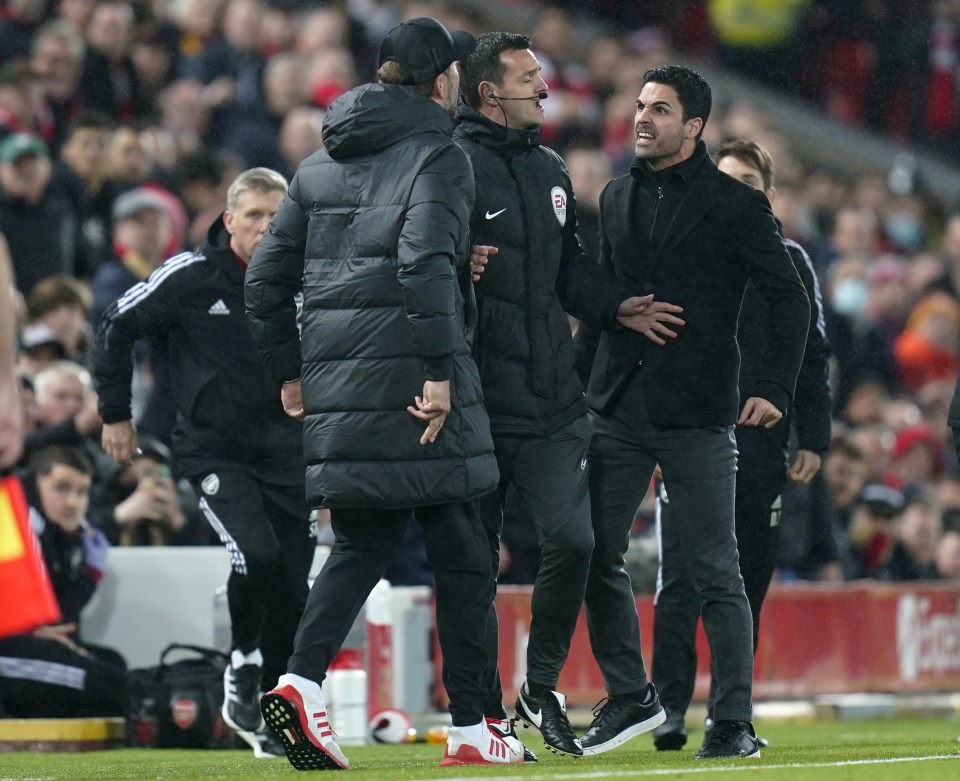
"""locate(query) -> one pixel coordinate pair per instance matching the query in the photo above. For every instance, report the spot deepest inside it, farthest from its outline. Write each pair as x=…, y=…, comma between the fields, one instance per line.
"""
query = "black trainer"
x=708, y=725
x=617, y=719
x=671, y=735
x=549, y=715
x=264, y=742
x=729, y=740
x=241, y=697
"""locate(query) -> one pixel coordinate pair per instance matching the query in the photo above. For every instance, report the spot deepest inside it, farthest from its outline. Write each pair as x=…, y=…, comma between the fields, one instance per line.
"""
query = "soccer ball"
x=391, y=726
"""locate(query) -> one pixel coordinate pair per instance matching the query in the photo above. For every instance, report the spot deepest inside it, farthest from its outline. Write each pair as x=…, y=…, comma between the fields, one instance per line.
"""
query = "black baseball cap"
x=424, y=48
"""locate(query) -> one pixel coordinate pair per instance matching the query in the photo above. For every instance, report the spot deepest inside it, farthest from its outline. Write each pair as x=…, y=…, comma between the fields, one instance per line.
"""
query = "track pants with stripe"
x=41, y=678
x=266, y=529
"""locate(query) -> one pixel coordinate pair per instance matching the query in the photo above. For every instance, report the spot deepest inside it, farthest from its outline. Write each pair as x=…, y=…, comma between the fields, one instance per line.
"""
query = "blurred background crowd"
x=122, y=123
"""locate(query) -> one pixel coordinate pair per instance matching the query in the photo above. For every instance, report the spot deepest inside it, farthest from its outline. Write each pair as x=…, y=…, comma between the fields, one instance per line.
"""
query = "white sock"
x=474, y=732
x=239, y=659
x=302, y=685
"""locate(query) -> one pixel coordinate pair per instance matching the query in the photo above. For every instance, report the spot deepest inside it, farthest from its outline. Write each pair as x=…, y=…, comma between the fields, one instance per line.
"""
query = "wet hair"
x=692, y=90
x=485, y=63
x=752, y=154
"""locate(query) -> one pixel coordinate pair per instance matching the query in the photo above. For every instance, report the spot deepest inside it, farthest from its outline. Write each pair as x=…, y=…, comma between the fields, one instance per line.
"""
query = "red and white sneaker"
x=491, y=749
x=504, y=728
x=295, y=711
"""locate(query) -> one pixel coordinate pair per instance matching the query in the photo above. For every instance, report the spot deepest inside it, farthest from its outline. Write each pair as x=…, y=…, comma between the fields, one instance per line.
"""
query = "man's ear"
x=485, y=88
x=694, y=126
x=228, y=221
x=771, y=194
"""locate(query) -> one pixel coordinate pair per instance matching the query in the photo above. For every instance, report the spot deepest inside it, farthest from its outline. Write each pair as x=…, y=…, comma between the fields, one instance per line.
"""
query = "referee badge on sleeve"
x=558, y=197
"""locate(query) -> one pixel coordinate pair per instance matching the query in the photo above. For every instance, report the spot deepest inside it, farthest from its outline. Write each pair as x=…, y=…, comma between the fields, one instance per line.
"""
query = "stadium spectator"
x=948, y=555
x=52, y=672
x=869, y=535
x=230, y=68
x=141, y=238
x=916, y=535
x=109, y=82
x=59, y=307
x=928, y=348
x=38, y=223
x=301, y=134
x=56, y=60
x=82, y=173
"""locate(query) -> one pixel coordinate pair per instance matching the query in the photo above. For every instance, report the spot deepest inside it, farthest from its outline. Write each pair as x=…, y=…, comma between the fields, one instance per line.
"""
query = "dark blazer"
x=722, y=235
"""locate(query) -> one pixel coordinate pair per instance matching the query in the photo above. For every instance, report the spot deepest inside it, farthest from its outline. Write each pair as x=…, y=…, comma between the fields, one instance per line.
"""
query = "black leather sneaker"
x=241, y=697
x=549, y=715
x=617, y=719
x=729, y=740
x=708, y=725
x=671, y=735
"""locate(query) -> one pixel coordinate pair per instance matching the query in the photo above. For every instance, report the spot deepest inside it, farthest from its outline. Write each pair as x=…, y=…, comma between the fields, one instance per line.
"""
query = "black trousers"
x=699, y=470
x=548, y=476
x=42, y=678
x=760, y=478
x=365, y=542
x=266, y=529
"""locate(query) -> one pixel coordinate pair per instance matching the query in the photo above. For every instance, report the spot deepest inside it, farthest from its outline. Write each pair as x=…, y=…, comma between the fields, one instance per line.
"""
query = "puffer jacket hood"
x=373, y=117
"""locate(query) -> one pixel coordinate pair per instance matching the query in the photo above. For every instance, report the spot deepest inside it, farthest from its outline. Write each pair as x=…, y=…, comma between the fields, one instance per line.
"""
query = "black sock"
x=538, y=689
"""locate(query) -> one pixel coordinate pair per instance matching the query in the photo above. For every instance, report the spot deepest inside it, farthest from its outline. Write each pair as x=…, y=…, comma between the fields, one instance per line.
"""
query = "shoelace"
x=605, y=709
x=245, y=683
x=724, y=731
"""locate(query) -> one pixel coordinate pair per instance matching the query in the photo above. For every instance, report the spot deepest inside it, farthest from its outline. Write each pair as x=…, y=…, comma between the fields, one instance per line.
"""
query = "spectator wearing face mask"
x=861, y=353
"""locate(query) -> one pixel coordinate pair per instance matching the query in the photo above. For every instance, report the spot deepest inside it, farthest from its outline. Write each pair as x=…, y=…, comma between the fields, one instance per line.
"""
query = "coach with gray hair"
x=242, y=455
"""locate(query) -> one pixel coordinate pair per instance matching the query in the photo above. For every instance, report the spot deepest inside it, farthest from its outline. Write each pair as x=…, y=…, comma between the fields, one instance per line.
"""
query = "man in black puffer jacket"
x=536, y=275
x=242, y=455
x=374, y=231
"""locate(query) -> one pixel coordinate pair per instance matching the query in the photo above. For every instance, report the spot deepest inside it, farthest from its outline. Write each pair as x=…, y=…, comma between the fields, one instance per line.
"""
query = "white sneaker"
x=295, y=711
x=491, y=749
x=505, y=729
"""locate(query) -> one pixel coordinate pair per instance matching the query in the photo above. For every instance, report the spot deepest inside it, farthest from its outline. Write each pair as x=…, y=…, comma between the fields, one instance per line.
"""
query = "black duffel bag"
x=177, y=704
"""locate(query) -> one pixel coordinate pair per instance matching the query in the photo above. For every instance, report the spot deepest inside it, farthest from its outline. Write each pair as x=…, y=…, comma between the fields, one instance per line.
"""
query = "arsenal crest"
x=184, y=712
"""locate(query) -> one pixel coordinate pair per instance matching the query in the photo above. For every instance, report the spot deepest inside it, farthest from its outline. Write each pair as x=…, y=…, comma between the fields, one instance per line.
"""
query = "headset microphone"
x=538, y=96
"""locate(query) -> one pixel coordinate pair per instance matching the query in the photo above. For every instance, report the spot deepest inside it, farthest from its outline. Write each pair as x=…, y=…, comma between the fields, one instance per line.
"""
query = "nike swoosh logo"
x=534, y=715
x=495, y=214
x=497, y=730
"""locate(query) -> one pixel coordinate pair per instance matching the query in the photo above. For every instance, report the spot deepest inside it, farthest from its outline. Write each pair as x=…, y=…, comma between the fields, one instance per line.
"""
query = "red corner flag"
x=28, y=598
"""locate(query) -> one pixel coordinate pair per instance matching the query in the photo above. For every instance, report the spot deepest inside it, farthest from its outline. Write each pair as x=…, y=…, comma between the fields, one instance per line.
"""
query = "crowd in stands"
x=122, y=123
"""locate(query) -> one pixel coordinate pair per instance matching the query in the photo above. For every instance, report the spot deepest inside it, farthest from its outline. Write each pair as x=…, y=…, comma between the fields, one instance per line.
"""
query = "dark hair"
x=90, y=120
x=752, y=154
x=691, y=88
x=43, y=461
x=57, y=290
x=485, y=64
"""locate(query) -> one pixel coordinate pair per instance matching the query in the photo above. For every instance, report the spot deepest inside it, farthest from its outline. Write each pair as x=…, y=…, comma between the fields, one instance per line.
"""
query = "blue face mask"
x=904, y=231
x=850, y=297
